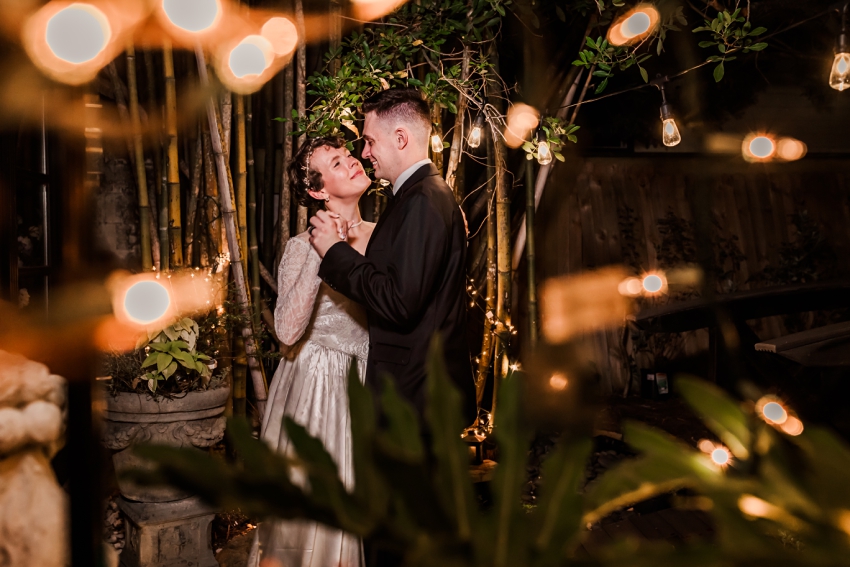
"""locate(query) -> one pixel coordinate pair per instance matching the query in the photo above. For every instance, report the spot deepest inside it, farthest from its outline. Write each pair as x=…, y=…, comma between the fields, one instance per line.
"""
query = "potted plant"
x=166, y=392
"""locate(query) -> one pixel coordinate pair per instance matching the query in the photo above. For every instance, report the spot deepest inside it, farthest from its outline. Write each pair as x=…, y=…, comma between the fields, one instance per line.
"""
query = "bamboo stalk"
x=288, y=104
x=251, y=348
x=457, y=139
x=156, y=143
x=529, y=255
x=301, y=92
x=164, y=238
x=190, y=251
x=139, y=154
x=213, y=236
x=253, y=248
x=268, y=176
x=485, y=357
x=279, y=174
x=226, y=122
x=242, y=180
x=240, y=372
x=334, y=33
x=173, y=165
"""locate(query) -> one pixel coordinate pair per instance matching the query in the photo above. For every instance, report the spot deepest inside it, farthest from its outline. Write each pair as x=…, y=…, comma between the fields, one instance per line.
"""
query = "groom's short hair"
x=403, y=104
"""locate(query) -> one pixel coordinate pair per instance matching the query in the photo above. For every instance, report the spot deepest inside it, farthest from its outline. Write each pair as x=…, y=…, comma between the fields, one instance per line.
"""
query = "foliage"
x=555, y=131
x=175, y=346
x=730, y=32
x=602, y=58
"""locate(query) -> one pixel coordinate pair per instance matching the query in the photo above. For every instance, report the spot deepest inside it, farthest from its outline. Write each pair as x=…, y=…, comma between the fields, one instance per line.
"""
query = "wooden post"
x=174, y=221
x=139, y=154
x=226, y=194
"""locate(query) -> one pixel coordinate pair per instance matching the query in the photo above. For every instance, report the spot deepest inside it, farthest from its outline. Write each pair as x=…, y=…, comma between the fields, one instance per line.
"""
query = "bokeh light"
x=146, y=301
x=250, y=57
x=706, y=446
x=631, y=287
x=193, y=16
x=790, y=149
x=281, y=34
x=521, y=120
x=758, y=147
x=773, y=412
x=558, y=382
x=634, y=25
x=373, y=9
x=653, y=283
x=720, y=456
x=754, y=506
x=78, y=33
x=792, y=426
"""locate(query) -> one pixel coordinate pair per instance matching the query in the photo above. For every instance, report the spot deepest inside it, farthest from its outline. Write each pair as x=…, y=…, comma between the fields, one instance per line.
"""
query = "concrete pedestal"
x=167, y=534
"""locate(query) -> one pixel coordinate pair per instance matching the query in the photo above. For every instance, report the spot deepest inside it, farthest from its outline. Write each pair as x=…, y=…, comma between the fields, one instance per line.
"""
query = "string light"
x=193, y=16
x=635, y=25
x=474, y=139
x=758, y=147
x=78, y=33
x=146, y=301
x=839, y=76
x=436, y=143
x=669, y=130
x=544, y=153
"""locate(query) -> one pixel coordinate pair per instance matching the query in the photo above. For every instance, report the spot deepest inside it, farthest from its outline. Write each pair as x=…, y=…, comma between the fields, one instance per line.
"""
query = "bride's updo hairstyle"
x=302, y=177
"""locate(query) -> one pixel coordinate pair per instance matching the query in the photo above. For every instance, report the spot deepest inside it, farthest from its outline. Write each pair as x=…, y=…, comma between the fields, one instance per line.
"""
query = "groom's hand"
x=326, y=231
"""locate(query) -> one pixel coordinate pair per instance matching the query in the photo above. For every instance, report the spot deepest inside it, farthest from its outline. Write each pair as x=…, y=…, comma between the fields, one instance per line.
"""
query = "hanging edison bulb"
x=436, y=144
x=669, y=130
x=474, y=139
x=839, y=77
x=544, y=152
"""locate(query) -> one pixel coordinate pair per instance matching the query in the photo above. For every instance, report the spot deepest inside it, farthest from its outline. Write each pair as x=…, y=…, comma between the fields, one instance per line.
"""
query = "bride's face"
x=343, y=176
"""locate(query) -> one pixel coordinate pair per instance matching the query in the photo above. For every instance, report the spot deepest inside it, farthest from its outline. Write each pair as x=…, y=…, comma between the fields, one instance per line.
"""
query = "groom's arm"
x=399, y=293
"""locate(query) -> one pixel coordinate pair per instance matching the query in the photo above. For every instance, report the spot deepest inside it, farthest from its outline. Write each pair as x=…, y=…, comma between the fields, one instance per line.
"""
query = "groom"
x=412, y=279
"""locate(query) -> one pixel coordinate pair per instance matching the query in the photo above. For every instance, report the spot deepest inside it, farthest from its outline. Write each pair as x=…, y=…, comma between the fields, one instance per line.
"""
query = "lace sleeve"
x=297, y=285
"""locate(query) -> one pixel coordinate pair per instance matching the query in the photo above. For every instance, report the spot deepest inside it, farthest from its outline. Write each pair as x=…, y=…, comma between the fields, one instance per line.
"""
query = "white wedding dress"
x=328, y=331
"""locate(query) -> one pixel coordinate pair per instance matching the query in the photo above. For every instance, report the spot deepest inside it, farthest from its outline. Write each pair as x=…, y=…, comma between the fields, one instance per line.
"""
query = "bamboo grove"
x=213, y=193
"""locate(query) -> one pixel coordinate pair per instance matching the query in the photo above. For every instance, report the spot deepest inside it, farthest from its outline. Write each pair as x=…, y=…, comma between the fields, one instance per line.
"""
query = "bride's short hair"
x=403, y=104
x=303, y=177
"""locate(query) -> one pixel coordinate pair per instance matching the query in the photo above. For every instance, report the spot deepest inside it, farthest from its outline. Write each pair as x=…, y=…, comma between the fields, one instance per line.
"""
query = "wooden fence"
x=617, y=210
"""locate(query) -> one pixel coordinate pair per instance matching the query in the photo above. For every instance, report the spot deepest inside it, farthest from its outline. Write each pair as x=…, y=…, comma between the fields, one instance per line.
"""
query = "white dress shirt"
x=405, y=175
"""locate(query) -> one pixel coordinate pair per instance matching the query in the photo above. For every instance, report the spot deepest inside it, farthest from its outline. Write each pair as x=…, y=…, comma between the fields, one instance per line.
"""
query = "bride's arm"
x=297, y=285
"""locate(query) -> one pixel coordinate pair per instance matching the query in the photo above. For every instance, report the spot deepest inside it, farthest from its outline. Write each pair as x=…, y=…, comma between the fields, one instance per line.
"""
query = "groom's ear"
x=402, y=138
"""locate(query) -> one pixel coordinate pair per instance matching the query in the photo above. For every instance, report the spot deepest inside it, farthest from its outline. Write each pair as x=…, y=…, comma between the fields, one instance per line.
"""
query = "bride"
x=327, y=331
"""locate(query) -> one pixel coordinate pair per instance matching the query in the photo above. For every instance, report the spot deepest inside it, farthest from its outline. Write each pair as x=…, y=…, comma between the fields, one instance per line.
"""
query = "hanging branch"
x=227, y=212
x=139, y=155
x=190, y=249
x=301, y=93
x=174, y=222
x=457, y=140
x=253, y=248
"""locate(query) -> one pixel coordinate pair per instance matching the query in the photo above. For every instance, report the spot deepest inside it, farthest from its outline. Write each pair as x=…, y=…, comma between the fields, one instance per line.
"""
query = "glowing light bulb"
x=146, y=301
x=839, y=77
x=250, y=56
x=78, y=33
x=282, y=34
x=670, y=133
x=544, y=154
x=720, y=456
x=558, y=382
x=436, y=144
x=474, y=139
x=771, y=410
x=635, y=25
x=192, y=15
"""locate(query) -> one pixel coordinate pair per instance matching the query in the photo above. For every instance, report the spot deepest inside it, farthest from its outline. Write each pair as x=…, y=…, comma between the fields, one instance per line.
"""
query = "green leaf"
x=601, y=86
x=450, y=453
x=644, y=74
x=401, y=436
x=720, y=413
x=757, y=31
x=163, y=361
x=150, y=360
x=169, y=370
x=758, y=46
x=707, y=43
x=718, y=73
x=560, y=13
x=558, y=156
x=721, y=48
x=590, y=43
x=185, y=359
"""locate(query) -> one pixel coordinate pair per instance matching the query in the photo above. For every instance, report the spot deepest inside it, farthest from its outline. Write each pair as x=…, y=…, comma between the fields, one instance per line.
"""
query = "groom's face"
x=380, y=147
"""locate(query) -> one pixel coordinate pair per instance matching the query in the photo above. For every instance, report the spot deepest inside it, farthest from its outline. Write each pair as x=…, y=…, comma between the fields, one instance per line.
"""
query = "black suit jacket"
x=412, y=282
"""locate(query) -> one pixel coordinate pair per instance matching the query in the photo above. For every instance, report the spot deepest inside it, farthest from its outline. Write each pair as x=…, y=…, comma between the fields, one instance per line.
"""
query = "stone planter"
x=165, y=526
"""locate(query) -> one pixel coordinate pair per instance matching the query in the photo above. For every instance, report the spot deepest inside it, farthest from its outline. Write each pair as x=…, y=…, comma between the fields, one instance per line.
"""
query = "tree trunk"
x=139, y=154
x=174, y=221
x=457, y=139
x=251, y=347
x=301, y=93
x=485, y=357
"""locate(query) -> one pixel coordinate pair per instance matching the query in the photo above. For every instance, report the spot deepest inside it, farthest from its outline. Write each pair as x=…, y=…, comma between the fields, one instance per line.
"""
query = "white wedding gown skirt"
x=311, y=387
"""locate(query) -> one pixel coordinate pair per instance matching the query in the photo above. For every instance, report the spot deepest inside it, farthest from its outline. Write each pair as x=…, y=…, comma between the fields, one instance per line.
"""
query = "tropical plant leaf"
x=720, y=413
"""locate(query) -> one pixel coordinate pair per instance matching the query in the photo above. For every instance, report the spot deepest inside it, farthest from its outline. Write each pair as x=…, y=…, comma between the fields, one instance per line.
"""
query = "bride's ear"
x=318, y=195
